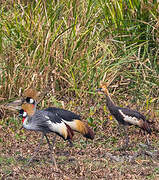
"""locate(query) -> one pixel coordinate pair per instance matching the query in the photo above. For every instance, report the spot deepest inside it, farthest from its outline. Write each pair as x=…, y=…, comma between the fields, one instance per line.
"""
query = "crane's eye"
x=30, y=100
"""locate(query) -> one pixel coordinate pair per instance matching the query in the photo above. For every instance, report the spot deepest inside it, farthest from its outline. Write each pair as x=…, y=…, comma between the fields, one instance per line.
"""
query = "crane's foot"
x=70, y=143
x=30, y=160
x=54, y=161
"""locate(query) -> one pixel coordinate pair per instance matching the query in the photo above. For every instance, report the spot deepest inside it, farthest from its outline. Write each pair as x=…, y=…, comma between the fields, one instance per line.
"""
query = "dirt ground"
x=97, y=159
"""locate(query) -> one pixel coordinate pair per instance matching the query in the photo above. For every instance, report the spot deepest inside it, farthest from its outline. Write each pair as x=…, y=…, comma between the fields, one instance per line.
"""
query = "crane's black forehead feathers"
x=21, y=111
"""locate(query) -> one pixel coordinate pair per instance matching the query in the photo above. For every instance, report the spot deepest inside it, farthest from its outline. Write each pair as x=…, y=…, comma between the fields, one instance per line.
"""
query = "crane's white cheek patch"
x=24, y=114
x=58, y=128
x=31, y=101
x=129, y=119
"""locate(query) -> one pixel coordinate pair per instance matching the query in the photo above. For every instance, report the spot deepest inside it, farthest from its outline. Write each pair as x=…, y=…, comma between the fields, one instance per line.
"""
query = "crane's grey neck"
x=26, y=123
x=35, y=106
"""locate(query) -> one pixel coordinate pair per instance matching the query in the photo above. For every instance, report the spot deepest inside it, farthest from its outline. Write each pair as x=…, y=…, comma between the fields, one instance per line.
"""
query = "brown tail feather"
x=70, y=132
x=84, y=129
x=145, y=126
x=90, y=133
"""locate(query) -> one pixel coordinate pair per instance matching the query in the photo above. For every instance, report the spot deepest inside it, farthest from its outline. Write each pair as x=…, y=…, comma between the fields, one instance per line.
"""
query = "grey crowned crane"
x=44, y=122
x=124, y=116
x=60, y=121
x=70, y=118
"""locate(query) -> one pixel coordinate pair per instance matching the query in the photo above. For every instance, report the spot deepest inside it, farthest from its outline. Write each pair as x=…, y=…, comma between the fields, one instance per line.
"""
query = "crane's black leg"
x=127, y=137
x=51, y=149
x=147, y=140
x=36, y=150
x=125, y=145
x=70, y=143
x=53, y=141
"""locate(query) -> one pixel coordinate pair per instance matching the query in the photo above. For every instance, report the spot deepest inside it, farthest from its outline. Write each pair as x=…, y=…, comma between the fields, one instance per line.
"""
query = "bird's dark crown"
x=31, y=93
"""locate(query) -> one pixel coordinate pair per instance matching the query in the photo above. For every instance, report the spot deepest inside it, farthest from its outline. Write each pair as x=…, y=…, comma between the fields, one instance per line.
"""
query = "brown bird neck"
x=109, y=101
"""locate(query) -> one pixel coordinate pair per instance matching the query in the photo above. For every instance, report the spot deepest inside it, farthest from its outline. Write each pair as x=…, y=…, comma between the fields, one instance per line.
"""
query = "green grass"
x=7, y=161
x=73, y=46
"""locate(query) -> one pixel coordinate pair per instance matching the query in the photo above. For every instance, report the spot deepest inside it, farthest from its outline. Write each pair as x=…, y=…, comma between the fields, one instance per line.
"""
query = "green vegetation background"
x=73, y=45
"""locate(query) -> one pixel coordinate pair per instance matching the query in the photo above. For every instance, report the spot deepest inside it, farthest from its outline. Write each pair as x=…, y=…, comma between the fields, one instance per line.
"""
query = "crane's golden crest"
x=33, y=93
x=28, y=108
x=103, y=86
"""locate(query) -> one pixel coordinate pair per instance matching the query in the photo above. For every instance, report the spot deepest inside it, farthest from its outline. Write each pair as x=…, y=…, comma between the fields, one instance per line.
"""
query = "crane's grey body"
x=45, y=122
x=65, y=116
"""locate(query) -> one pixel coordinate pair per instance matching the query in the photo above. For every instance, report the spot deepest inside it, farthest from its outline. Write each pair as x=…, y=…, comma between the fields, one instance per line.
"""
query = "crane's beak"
x=15, y=105
x=99, y=90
